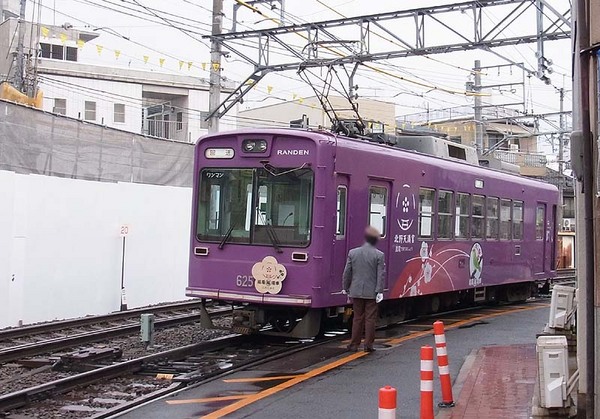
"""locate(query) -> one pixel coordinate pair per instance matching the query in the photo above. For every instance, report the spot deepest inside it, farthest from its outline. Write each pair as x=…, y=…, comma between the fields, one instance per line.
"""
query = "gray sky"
x=157, y=40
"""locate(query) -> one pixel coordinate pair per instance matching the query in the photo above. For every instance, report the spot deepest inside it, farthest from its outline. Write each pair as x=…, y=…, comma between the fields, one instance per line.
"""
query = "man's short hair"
x=371, y=231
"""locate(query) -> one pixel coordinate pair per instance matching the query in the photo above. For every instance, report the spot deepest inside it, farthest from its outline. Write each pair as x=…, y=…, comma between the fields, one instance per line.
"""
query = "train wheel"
x=435, y=304
x=518, y=293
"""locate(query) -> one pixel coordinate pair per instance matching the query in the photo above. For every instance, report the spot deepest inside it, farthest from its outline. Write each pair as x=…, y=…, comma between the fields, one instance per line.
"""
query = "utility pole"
x=214, y=99
x=561, y=158
x=19, y=79
x=477, y=107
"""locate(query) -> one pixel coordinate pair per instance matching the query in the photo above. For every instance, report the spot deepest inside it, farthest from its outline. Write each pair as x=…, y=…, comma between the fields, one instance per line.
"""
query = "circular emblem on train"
x=268, y=275
x=475, y=264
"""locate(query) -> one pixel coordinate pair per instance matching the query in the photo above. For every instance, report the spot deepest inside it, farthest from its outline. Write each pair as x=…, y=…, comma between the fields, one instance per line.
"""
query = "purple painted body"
x=415, y=265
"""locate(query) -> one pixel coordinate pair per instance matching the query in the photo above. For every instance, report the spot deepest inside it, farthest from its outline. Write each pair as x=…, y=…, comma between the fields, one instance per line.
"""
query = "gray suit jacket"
x=364, y=274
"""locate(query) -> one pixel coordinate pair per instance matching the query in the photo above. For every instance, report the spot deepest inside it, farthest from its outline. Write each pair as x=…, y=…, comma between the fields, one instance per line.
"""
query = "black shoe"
x=369, y=349
x=351, y=348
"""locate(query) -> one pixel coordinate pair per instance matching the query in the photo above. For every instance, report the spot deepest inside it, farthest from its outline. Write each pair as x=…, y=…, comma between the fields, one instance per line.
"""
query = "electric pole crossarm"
x=237, y=95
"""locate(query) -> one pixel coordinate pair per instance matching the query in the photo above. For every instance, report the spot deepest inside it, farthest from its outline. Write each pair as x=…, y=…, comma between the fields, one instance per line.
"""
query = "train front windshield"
x=264, y=206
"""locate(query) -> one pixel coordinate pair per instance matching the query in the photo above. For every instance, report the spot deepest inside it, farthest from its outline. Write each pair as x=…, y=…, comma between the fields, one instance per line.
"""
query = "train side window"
x=444, y=210
x=342, y=193
x=477, y=212
x=461, y=228
x=378, y=208
x=426, y=199
x=505, y=219
x=517, y=216
x=540, y=215
x=492, y=215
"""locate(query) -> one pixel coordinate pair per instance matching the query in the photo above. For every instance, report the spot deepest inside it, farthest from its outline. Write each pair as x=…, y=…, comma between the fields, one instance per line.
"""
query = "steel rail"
x=24, y=397
x=37, y=348
x=17, y=332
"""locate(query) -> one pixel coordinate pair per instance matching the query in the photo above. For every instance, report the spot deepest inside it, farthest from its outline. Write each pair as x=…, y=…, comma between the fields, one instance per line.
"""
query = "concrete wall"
x=60, y=249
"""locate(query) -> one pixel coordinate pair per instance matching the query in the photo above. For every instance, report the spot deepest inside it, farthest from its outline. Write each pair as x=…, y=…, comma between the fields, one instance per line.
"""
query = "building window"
x=340, y=230
x=46, y=50
x=60, y=106
x=444, y=209
x=568, y=207
x=71, y=54
x=426, y=197
x=540, y=216
x=90, y=111
x=167, y=126
x=58, y=52
x=517, y=216
x=477, y=223
x=378, y=208
x=492, y=215
x=505, y=220
x=462, y=216
x=119, y=113
x=179, y=121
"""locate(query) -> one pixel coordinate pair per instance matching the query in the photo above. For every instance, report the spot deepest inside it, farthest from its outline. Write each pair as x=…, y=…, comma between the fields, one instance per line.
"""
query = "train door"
x=552, y=227
x=540, y=238
x=379, y=208
x=340, y=242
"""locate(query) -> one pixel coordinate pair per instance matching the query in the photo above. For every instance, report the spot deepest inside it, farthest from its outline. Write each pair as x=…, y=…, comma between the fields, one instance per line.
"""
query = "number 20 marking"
x=244, y=281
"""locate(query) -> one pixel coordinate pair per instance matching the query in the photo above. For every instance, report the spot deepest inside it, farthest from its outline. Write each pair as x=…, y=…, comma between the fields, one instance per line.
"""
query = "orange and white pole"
x=444, y=369
x=387, y=403
x=426, y=382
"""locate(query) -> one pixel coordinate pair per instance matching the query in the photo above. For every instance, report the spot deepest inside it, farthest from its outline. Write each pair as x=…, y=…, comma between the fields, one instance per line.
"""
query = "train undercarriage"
x=307, y=323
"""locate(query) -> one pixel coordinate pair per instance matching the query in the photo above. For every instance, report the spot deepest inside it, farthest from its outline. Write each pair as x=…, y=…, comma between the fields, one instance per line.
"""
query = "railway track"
x=190, y=365
x=18, y=343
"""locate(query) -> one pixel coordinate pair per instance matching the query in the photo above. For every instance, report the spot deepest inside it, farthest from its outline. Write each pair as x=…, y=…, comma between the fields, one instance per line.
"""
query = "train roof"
x=384, y=149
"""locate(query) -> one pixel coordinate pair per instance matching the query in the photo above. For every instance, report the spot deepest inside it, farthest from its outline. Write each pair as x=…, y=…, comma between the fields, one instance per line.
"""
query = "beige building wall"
x=280, y=114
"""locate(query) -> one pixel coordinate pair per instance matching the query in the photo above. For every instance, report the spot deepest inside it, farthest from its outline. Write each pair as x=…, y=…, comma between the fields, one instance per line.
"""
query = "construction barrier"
x=387, y=403
x=444, y=369
x=426, y=382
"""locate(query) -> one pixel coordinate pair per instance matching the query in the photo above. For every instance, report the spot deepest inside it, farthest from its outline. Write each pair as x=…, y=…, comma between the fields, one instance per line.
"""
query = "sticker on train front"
x=268, y=275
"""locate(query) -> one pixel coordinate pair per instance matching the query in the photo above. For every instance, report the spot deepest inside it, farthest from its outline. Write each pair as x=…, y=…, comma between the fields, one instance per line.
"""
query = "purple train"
x=276, y=211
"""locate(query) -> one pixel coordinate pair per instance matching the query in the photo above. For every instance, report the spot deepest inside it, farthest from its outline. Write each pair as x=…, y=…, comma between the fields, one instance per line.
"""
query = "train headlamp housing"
x=254, y=146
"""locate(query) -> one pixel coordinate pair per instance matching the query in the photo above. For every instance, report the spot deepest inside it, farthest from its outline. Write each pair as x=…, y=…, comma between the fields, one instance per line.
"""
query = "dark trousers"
x=365, y=317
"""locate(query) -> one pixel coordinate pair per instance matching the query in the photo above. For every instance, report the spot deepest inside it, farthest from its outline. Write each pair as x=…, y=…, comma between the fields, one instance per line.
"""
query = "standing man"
x=364, y=276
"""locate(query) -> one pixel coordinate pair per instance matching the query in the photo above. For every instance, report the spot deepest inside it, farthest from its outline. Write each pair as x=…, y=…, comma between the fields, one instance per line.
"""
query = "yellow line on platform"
x=248, y=400
x=209, y=399
x=276, y=389
x=259, y=379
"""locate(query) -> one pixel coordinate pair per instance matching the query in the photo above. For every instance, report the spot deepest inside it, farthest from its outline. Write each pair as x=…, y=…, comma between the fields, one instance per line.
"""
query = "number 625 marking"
x=244, y=281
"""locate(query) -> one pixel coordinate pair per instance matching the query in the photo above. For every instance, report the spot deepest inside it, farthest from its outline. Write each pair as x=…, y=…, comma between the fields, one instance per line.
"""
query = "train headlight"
x=254, y=146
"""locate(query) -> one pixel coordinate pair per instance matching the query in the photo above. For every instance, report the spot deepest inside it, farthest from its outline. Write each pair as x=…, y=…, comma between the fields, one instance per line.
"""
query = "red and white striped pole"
x=387, y=403
x=426, y=382
x=442, y=358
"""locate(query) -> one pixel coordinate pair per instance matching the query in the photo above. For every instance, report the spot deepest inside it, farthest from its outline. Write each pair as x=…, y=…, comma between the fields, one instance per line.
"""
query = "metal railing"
x=521, y=159
x=171, y=130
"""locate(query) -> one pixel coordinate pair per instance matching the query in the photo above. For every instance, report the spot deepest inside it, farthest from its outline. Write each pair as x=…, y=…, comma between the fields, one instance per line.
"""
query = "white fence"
x=60, y=248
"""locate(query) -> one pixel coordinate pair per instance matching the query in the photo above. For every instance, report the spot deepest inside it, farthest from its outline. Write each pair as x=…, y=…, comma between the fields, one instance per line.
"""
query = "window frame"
x=509, y=220
x=115, y=113
x=383, y=233
x=338, y=211
x=431, y=215
x=85, y=111
x=55, y=107
x=542, y=206
x=521, y=221
x=459, y=216
x=488, y=218
x=478, y=217
x=450, y=214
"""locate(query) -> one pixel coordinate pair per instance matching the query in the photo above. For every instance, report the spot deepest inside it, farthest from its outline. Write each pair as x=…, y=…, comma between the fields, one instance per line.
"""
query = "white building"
x=280, y=114
x=152, y=103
